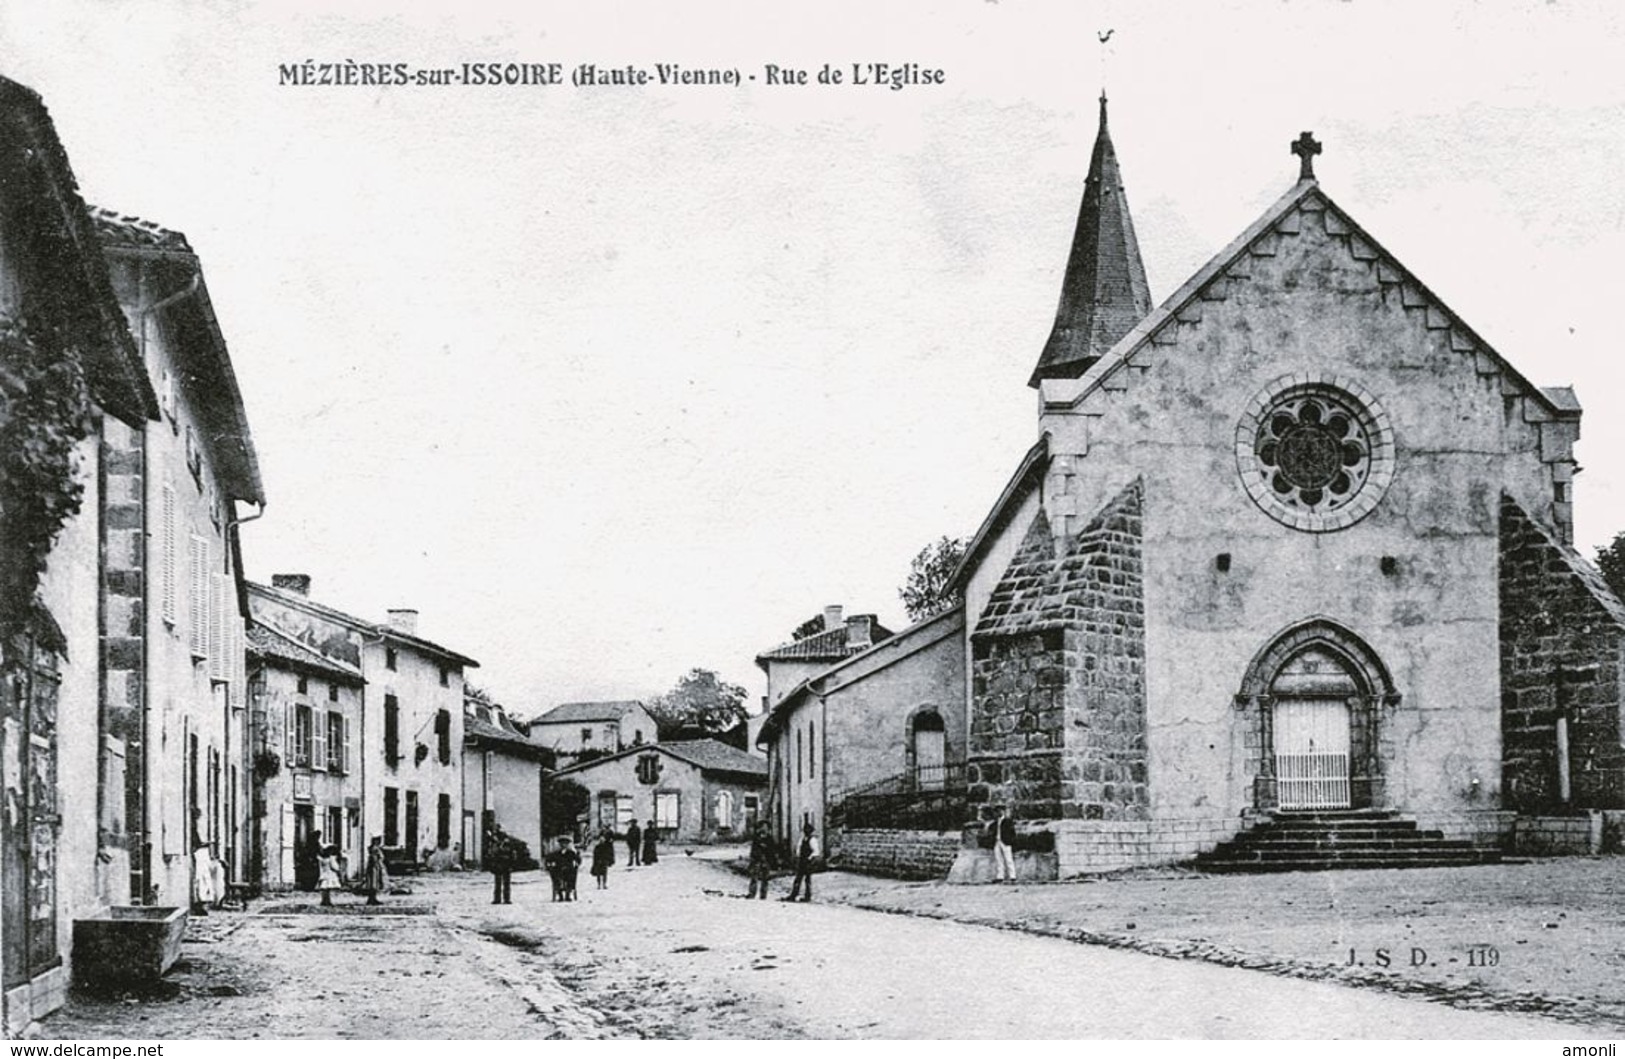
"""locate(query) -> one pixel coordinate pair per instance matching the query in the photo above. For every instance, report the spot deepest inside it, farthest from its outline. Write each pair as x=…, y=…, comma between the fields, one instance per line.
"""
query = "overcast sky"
x=610, y=383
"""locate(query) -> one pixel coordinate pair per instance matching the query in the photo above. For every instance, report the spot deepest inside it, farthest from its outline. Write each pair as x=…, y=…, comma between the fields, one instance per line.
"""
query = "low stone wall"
x=1484, y=828
x=896, y=854
x=1595, y=831
x=1087, y=846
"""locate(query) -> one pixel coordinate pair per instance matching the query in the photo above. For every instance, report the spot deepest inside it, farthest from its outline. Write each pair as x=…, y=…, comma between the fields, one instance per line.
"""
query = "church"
x=1295, y=541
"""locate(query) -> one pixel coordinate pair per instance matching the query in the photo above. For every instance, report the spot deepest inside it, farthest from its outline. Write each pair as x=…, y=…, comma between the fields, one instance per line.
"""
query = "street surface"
x=673, y=951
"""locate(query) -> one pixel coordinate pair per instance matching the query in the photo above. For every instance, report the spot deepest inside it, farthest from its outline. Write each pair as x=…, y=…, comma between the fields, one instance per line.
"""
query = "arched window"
x=928, y=749
x=725, y=810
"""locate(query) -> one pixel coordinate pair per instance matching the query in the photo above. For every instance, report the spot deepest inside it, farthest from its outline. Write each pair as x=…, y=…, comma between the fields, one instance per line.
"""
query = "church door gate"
x=1312, y=753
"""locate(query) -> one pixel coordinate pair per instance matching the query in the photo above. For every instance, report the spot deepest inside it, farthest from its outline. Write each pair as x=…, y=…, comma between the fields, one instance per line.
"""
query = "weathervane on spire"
x=1306, y=147
x=1104, y=37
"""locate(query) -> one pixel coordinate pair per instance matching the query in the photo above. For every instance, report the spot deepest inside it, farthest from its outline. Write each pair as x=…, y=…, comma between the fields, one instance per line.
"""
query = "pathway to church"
x=674, y=951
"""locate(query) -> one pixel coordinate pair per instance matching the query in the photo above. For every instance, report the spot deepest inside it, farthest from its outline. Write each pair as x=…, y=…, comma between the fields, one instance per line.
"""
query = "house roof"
x=495, y=737
x=388, y=632
x=898, y=646
x=575, y=712
x=1306, y=195
x=66, y=239
x=707, y=755
x=1104, y=293
x=204, y=360
x=280, y=649
x=827, y=646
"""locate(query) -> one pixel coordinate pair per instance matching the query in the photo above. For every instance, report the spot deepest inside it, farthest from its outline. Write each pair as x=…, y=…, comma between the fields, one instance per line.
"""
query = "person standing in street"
x=603, y=857
x=377, y=872
x=499, y=860
x=806, y=854
x=634, y=845
x=650, y=833
x=761, y=860
x=327, y=879
x=1004, y=838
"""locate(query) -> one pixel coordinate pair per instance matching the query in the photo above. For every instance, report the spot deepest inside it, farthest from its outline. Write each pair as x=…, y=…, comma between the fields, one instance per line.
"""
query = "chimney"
x=832, y=617
x=404, y=619
x=298, y=584
x=857, y=632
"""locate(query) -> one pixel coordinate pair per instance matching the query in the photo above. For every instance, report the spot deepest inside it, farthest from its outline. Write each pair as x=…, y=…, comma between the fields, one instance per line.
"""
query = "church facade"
x=1295, y=539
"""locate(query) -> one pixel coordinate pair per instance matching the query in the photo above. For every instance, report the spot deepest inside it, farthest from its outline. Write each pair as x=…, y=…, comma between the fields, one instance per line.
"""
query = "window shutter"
x=217, y=628
x=168, y=557
x=293, y=734
x=199, y=626
x=318, y=739
x=345, y=757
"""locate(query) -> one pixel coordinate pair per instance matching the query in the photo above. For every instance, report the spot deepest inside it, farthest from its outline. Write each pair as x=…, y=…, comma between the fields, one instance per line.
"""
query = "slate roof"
x=827, y=646
x=573, y=712
x=274, y=647
x=1042, y=590
x=707, y=755
x=388, y=632
x=711, y=755
x=1104, y=293
x=952, y=618
x=123, y=230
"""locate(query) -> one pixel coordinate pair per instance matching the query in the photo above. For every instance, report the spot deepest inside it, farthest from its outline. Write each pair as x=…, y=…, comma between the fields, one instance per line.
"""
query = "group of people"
x=760, y=866
x=332, y=870
x=563, y=864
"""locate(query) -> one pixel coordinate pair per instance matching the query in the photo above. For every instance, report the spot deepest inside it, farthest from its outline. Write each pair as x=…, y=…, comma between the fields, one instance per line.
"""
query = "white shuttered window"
x=200, y=594
x=168, y=555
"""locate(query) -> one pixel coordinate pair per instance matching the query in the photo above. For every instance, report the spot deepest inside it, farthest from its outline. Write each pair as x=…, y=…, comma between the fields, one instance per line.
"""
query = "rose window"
x=1314, y=455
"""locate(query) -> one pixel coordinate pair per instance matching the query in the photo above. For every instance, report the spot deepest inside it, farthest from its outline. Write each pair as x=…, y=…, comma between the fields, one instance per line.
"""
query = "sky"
x=613, y=382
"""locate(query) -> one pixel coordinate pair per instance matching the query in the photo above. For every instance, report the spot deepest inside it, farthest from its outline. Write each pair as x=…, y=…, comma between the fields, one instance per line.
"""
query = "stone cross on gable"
x=1306, y=147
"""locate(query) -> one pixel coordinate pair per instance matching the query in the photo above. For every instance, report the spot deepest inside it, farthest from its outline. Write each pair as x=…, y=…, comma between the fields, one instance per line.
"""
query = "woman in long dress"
x=377, y=880
x=650, y=855
x=327, y=879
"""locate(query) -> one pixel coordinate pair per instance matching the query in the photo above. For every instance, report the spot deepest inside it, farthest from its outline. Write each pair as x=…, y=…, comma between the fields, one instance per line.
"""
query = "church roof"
x=1305, y=203
x=1104, y=293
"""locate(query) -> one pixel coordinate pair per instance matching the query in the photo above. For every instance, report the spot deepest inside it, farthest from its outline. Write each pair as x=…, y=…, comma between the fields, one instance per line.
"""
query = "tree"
x=811, y=627
x=926, y=592
x=1611, y=561
x=701, y=706
x=563, y=803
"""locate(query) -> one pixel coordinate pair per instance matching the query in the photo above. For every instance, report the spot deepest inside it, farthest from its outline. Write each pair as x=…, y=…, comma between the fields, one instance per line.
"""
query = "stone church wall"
x=1562, y=656
x=1058, y=728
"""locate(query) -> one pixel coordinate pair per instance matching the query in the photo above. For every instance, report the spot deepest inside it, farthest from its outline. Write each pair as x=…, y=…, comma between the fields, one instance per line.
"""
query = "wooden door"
x=29, y=821
x=1312, y=753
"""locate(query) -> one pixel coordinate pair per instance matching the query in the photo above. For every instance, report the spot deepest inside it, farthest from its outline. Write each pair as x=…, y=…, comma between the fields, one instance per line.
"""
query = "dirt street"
x=673, y=951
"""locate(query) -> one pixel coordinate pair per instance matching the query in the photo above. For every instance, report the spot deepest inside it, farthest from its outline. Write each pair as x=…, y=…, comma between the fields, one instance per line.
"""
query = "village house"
x=877, y=727
x=174, y=718
x=820, y=645
x=1296, y=539
x=305, y=720
x=502, y=779
x=409, y=750
x=56, y=306
x=604, y=727
x=698, y=790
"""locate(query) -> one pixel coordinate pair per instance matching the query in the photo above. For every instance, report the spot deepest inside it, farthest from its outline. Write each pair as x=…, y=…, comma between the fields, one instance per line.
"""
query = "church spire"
x=1104, y=293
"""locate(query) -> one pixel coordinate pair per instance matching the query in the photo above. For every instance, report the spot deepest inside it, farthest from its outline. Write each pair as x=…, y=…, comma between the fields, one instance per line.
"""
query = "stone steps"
x=1328, y=840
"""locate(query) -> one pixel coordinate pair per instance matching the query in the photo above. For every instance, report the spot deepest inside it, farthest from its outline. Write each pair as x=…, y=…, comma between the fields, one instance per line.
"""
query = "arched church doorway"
x=928, y=750
x=1314, y=697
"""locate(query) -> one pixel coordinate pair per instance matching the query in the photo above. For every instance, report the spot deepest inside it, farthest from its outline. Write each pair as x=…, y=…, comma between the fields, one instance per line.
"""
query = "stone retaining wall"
x=1087, y=846
x=896, y=854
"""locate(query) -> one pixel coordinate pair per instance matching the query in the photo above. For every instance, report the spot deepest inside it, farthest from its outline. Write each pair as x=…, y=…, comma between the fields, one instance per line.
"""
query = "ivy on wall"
x=45, y=412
